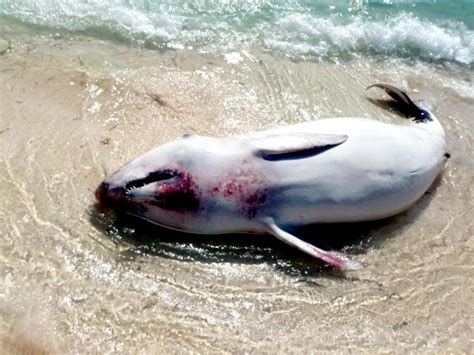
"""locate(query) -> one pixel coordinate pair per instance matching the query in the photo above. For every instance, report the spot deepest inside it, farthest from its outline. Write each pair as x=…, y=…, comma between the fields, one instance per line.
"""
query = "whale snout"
x=107, y=196
x=101, y=192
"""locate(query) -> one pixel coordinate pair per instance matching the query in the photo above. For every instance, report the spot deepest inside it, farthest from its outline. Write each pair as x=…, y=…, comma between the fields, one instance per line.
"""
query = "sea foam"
x=293, y=28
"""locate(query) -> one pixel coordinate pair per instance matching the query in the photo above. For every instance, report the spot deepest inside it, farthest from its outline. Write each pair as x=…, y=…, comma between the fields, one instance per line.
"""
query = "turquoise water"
x=429, y=30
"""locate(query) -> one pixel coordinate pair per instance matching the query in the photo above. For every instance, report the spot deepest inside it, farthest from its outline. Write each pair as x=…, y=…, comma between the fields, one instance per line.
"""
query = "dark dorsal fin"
x=406, y=104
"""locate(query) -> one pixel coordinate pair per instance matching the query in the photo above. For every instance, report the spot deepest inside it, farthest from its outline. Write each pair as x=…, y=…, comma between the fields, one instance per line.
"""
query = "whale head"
x=158, y=186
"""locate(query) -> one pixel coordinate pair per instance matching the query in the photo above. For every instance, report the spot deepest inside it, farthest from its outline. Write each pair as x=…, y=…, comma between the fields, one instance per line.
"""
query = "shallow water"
x=74, y=108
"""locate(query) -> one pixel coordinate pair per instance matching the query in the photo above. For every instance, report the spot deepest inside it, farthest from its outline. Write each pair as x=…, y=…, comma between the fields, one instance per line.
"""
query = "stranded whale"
x=326, y=171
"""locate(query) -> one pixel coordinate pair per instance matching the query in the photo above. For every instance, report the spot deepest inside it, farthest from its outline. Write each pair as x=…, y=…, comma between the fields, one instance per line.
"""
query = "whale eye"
x=160, y=175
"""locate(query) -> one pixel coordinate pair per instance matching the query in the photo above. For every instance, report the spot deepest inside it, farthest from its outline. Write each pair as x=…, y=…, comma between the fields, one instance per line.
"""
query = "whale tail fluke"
x=406, y=105
x=418, y=110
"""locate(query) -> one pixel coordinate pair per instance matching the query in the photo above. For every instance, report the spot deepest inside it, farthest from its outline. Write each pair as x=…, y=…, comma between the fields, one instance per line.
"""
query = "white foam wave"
x=299, y=32
x=302, y=34
x=80, y=15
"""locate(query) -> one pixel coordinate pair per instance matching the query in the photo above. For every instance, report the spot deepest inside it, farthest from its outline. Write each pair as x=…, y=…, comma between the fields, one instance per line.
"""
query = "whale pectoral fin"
x=328, y=257
x=278, y=145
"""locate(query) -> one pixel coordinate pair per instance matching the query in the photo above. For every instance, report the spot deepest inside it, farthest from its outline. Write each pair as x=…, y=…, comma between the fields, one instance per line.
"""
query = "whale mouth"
x=153, y=177
x=118, y=197
x=165, y=189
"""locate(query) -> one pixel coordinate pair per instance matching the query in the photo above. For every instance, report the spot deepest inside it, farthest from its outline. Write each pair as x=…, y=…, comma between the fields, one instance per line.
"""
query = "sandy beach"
x=73, y=281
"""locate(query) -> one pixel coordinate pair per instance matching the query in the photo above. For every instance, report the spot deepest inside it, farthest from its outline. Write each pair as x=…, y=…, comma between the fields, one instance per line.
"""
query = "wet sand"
x=76, y=282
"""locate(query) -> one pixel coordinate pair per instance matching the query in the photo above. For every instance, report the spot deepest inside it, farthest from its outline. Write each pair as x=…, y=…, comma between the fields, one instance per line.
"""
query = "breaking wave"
x=332, y=30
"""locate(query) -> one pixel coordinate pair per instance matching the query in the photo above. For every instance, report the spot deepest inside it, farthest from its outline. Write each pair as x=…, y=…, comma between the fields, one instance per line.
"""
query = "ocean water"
x=429, y=30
